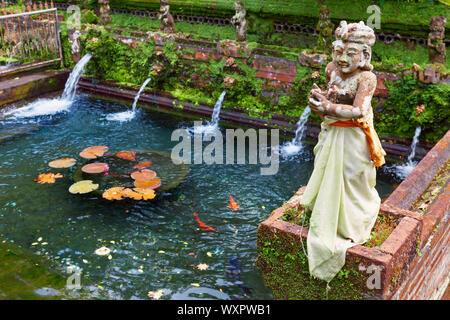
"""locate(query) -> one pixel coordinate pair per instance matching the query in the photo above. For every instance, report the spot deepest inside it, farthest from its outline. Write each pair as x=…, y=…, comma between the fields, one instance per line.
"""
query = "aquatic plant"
x=47, y=177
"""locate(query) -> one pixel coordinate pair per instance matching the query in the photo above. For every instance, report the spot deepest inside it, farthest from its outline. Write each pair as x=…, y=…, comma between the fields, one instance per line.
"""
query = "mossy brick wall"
x=397, y=15
x=285, y=269
x=30, y=86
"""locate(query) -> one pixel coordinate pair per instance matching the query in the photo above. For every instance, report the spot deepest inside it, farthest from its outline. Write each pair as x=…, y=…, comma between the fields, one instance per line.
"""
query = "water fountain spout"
x=295, y=146
x=128, y=115
x=214, y=123
x=216, y=112
x=402, y=170
x=42, y=107
x=71, y=84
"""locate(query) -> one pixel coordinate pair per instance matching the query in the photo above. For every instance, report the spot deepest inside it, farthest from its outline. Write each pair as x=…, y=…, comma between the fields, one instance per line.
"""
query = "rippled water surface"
x=156, y=245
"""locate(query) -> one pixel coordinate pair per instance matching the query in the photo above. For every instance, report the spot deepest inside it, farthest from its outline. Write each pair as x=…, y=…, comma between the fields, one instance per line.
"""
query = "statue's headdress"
x=355, y=32
x=358, y=33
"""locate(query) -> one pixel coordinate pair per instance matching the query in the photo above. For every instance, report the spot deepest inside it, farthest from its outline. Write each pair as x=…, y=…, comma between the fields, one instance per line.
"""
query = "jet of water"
x=414, y=145
x=214, y=123
x=129, y=114
x=139, y=93
x=295, y=146
x=216, y=112
x=403, y=170
x=71, y=84
x=44, y=107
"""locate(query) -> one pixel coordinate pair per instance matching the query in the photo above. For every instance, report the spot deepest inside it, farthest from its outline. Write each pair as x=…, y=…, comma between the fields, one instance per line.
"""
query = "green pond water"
x=156, y=245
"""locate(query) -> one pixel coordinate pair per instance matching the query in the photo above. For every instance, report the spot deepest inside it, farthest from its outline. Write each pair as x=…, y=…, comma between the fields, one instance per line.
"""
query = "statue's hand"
x=317, y=101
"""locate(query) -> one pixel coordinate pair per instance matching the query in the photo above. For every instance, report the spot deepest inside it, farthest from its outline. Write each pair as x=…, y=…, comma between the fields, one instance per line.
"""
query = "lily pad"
x=97, y=167
x=47, y=177
x=115, y=193
x=143, y=175
x=62, y=163
x=170, y=174
x=83, y=186
x=127, y=155
x=147, y=194
x=142, y=165
x=93, y=152
x=148, y=184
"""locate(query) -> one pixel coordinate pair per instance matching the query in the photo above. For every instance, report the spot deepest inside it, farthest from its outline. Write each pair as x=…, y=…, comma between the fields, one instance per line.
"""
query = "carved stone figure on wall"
x=341, y=195
x=74, y=40
x=167, y=22
x=436, y=42
x=104, y=11
x=239, y=21
x=325, y=29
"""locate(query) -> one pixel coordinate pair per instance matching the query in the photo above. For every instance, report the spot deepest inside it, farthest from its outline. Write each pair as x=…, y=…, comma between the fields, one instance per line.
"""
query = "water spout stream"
x=129, y=114
x=403, y=170
x=214, y=123
x=42, y=107
x=295, y=146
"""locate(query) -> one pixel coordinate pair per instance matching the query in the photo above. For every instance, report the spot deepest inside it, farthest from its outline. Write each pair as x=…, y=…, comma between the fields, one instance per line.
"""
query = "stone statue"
x=104, y=11
x=341, y=195
x=167, y=22
x=325, y=29
x=239, y=21
x=436, y=42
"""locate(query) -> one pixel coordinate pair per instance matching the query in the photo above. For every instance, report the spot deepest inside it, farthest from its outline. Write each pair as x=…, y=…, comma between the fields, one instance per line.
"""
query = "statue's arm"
x=361, y=103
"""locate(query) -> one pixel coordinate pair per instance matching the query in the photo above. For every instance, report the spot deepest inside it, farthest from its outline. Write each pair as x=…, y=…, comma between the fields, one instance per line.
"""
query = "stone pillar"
x=436, y=42
x=325, y=29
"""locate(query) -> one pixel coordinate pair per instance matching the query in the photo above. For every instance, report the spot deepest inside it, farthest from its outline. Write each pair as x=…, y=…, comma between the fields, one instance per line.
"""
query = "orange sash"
x=376, y=155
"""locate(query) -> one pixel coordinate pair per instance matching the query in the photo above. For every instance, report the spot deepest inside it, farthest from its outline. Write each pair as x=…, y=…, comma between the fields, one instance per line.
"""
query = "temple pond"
x=156, y=245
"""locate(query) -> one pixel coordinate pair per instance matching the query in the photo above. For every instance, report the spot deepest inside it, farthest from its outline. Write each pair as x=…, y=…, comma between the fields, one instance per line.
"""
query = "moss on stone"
x=284, y=264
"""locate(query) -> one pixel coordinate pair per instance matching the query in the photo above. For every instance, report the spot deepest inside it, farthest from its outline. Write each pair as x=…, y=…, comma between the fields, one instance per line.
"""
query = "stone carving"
x=325, y=29
x=74, y=40
x=167, y=22
x=104, y=11
x=436, y=37
x=341, y=194
x=239, y=21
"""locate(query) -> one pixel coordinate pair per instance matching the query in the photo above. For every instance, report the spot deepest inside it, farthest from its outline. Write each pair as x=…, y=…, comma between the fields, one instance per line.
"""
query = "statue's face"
x=237, y=6
x=348, y=56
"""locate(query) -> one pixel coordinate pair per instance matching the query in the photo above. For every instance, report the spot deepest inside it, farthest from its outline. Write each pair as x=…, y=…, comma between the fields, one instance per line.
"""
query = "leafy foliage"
x=399, y=115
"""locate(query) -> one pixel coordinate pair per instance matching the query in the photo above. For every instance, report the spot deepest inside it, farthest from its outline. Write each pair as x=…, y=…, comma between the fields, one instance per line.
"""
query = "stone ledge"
x=419, y=179
x=32, y=85
x=415, y=257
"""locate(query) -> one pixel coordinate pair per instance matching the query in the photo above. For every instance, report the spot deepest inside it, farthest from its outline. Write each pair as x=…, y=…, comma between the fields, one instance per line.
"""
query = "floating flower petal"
x=103, y=251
